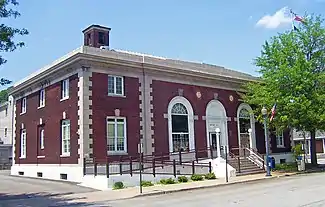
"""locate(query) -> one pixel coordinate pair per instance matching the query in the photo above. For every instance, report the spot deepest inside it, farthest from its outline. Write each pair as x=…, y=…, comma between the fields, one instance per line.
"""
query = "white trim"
x=41, y=138
x=222, y=120
x=23, y=147
x=115, y=81
x=41, y=98
x=252, y=123
x=23, y=108
x=65, y=123
x=65, y=89
x=187, y=104
x=276, y=139
x=115, y=134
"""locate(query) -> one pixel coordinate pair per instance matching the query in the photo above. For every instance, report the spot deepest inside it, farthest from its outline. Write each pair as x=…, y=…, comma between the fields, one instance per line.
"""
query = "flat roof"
x=123, y=55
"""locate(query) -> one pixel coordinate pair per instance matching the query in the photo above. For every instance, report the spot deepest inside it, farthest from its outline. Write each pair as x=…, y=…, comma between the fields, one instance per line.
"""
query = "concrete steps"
x=244, y=166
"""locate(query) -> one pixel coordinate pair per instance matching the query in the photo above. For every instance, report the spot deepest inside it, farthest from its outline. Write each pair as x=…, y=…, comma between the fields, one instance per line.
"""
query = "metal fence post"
x=226, y=153
x=174, y=168
x=95, y=169
x=193, y=167
x=180, y=157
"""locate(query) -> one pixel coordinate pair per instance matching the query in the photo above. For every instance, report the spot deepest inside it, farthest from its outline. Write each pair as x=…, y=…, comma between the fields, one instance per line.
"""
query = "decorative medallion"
x=231, y=98
x=117, y=112
x=198, y=94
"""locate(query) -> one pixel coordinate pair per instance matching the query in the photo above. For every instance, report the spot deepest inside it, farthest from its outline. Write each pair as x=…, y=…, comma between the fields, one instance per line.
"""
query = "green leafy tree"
x=293, y=76
x=7, y=33
x=3, y=96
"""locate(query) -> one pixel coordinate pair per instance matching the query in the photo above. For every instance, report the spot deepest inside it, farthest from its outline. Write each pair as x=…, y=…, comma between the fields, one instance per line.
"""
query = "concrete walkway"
x=132, y=192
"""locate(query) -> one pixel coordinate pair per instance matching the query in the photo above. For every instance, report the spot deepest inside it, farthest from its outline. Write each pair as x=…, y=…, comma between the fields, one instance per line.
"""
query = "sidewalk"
x=100, y=196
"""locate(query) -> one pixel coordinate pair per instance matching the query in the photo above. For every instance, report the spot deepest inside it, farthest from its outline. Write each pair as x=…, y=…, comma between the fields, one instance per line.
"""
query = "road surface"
x=294, y=191
x=23, y=192
x=303, y=191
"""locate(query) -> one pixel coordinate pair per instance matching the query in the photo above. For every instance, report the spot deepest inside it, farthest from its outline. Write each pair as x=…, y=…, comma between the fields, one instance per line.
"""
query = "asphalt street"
x=303, y=191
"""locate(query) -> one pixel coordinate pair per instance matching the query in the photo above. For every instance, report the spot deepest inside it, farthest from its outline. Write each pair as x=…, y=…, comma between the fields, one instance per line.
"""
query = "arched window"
x=244, y=124
x=180, y=129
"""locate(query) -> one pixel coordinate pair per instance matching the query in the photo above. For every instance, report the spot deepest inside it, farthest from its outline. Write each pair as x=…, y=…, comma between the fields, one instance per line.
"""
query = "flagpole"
x=292, y=18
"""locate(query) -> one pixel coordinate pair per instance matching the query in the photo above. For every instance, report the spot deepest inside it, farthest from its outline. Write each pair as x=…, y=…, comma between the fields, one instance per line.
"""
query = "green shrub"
x=287, y=167
x=297, y=151
x=118, y=185
x=167, y=181
x=182, y=179
x=145, y=183
x=210, y=176
x=196, y=177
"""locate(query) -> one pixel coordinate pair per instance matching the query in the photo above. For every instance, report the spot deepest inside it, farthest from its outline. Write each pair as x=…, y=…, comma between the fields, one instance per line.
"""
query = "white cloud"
x=279, y=18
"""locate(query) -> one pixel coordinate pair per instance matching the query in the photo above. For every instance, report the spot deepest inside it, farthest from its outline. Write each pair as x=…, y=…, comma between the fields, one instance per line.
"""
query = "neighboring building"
x=6, y=113
x=101, y=103
x=301, y=137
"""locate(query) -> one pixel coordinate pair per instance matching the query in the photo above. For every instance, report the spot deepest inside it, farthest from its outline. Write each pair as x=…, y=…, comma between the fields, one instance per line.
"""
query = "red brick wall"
x=104, y=105
x=319, y=146
x=163, y=92
x=51, y=115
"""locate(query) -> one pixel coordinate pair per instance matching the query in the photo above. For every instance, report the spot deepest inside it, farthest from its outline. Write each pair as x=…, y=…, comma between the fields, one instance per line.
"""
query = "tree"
x=293, y=76
x=7, y=33
x=3, y=96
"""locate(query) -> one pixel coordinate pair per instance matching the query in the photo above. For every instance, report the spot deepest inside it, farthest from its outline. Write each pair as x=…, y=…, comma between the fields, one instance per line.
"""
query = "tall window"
x=116, y=134
x=279, y=139
x=115, y=85
x=41, y=98
x=23, y=143
x=6, y=132
x=23, y=105
x=244, y=125
x=6, y=112
x=65, y=137
x=65, y=89
x=180, y=131
x=41, y=138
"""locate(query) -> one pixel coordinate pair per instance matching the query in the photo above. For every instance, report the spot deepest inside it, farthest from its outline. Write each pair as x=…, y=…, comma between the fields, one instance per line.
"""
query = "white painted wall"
x=277, y=156
x=6, y=122
x=50, y=171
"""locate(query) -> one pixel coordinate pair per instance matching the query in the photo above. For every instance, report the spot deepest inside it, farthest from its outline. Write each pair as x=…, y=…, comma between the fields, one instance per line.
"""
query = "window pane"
x=110, y=84
x=110, y=130
x=244, y=125
x=111, y=144
x=119, y=85
x=120, y=130
x=180, y=123
x=180, y=142
x=120, y=144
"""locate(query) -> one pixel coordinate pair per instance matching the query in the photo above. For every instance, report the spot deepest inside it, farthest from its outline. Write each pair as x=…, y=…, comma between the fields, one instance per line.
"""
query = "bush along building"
x=93, y=110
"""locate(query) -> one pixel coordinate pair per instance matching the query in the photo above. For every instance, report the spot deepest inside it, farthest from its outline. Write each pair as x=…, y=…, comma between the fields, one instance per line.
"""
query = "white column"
x=218, y=143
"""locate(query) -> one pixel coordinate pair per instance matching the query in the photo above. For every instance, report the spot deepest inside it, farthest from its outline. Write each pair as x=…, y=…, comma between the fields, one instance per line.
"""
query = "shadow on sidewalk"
x=42, y=200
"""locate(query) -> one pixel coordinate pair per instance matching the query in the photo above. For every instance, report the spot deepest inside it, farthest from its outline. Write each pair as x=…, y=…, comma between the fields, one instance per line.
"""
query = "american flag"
x=273, y=111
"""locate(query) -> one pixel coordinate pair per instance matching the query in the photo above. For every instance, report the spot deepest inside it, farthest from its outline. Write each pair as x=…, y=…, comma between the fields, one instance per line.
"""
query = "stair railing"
x=257, y=158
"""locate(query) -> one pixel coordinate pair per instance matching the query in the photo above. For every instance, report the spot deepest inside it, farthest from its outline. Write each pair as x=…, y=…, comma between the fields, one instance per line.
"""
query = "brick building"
x=99, y=103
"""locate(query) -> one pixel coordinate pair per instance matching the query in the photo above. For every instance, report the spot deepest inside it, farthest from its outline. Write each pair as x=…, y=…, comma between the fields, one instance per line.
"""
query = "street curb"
x=213, y=186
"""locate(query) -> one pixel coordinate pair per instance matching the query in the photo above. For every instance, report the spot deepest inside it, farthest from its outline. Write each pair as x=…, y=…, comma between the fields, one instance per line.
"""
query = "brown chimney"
x=96, y=36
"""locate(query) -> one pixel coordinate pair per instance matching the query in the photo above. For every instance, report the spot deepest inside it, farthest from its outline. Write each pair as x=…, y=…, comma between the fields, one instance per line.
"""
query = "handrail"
x=258, y=156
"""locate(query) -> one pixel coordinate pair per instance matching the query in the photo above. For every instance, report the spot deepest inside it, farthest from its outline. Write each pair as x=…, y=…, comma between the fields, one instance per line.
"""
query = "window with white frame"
x=65, y=137
x=279, y=139
x=23, y=143
x=180, y=129
x=65, y=89
x=115, y=85
x=41, y=139
x=116, y=134
x=6, y=132
x=41, y=98
x=23, y=105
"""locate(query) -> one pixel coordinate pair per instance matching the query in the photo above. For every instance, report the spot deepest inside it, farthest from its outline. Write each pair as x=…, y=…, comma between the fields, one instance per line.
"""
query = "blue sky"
x=228, y=33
